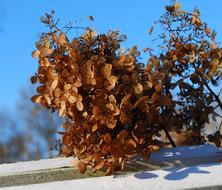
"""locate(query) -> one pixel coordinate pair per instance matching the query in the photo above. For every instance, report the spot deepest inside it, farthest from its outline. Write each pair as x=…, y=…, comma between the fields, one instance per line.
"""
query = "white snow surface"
x=173, y=179
x=20, y=167
x=163, y=179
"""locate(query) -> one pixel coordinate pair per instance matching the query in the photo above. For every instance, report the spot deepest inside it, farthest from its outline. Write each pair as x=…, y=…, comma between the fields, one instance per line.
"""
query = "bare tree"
x=28, y=134
x=12, y=144
x=40, y=126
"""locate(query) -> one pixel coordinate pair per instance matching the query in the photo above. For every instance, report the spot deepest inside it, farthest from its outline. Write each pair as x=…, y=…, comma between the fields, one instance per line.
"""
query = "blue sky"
x=20, y=26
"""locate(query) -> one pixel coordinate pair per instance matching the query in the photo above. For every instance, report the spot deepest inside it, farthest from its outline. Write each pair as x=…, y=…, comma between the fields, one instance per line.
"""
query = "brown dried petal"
x=105, y=150
x=37, y=98
x=79, y=105
x=107, y=138
x=112, y=82
x=106, y=70
x=125, y=99
x=130, y=144
x=138, y=88
x=54, y=84
x=48, y=100
x=34, y=79
x=154, y=147
x=72, y=99
x=62, y=40
x=99, y=166
x=62, y=109
x=67, y=87
x=82, y=167
x=94, y=127
x=42, y=89
x=125, y=118
x=117, y=150
x=36, y=54
x=123, y=134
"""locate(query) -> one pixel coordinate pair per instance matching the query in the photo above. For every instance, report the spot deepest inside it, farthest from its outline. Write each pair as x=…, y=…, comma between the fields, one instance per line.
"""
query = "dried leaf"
x=107, y=138
x=97, y=157
x=112, y=82
x=72, y=99
x=34, y=79
x=125, y=118
x=123, y=134
x=54, y=36
x=105, y=150
x=94, y=127
x=158, y=87
x=112, y=99
x=213, y=35
x=141, y=100
x=109, y=170
x=106, y=70
x=86, y=159
x=62, y=109
x=48, y=100
x=125, y=99
x=79, y=105
x=36, y=54
x=147, y=85
x=130, y=144
x=37, y=98
x=138, y=88
x=117, y=150
x=62, y=40
x=67, y=87
x=177, y=6
x=111, y=123
x=207, y=31
x=82, y=167
x=85, y=114
x=54, y=84
x=155, y=147
x=99, y=166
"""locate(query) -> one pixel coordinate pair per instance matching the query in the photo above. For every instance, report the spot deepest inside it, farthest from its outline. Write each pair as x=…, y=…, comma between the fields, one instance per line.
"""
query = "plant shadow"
x=181, y=162
x=174, y=173
x=145, y=175
x=181, y=173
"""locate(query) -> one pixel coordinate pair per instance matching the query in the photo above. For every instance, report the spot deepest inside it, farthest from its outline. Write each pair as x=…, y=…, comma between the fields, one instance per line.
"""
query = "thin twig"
x=169, y=137
x=215, y=96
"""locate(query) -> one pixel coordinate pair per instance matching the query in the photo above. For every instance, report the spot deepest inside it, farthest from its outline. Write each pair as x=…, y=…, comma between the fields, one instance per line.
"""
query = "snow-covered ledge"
x=191, y=167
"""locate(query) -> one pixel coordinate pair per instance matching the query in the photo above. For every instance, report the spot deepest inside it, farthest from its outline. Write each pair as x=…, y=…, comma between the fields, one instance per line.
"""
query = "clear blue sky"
x=20, y=26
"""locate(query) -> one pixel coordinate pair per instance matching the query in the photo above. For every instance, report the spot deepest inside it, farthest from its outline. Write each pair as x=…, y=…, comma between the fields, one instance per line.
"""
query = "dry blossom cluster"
x=116, y=107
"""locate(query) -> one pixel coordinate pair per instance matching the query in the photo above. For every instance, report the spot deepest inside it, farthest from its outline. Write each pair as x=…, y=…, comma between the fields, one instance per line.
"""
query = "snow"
x=21, y=167
x=208, y=175
x=186, y=175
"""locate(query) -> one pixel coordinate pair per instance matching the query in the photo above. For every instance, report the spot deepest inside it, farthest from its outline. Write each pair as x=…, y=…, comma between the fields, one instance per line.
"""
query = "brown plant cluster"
x=115, y=107
x=190, y=62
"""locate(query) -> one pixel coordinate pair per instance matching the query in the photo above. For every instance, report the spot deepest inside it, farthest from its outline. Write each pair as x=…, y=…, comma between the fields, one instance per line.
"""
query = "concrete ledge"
x=166, y=169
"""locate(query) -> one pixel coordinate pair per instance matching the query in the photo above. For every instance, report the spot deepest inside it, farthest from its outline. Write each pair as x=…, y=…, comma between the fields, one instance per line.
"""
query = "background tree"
x=30, y=134
x=12, y=145
x=43, y=124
